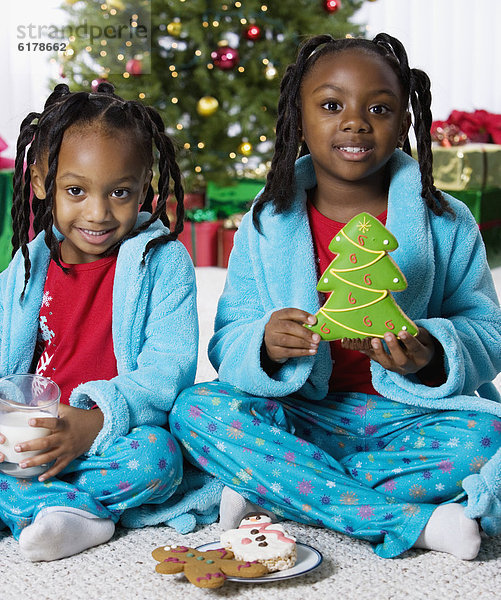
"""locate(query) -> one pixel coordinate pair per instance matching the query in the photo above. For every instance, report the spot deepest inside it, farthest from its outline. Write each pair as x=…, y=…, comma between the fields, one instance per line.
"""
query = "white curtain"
x=457, y=42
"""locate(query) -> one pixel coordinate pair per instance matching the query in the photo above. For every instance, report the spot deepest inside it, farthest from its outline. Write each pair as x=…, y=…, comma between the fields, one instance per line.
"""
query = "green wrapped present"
x=232, y=199
x=486, y=208
x=467, y=167
x=5, y=218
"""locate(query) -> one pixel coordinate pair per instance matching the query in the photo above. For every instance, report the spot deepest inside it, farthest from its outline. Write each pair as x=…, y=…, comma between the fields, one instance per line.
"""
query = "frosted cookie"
x=258, y=539
x=360, y=278
x=207, y=569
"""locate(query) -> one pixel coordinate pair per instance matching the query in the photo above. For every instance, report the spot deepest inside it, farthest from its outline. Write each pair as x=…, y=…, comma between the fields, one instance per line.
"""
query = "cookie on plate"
x=207, y=569
x=258, y=539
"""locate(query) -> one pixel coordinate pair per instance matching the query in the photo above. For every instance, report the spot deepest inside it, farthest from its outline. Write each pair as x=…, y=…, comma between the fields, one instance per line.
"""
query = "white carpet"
x=123, y=569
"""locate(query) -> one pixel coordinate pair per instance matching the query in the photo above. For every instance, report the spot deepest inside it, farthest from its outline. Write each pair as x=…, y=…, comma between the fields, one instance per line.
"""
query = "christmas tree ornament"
x=134, y=66
x=270, y=72
x=245, y=148
x=252, y=32
x=95, y=83
x=225, y=57
x=332, y=6
x=116, y=4
x=69, y=53
x=207, y=106
x=174, y=28
x=359, y=278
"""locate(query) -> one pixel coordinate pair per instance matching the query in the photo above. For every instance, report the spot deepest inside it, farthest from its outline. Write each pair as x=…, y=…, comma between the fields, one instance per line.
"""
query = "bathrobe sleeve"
x=253, y=291
x=463, y=315
x=155, y=334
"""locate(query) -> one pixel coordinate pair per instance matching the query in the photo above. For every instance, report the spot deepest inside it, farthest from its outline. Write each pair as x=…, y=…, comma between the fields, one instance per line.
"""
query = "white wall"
x=24, y=75
x=457, y=42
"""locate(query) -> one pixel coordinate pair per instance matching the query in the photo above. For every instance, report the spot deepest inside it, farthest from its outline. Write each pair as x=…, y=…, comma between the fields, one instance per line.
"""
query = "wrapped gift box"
x=467, y=167
x=225, y=238
x=233, y=199
x=5, y=218
x=486, y=208
x=200, y=237
x=472, y=173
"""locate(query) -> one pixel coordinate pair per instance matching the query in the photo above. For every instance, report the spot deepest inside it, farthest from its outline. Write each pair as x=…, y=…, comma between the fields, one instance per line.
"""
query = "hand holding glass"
x=22, y=398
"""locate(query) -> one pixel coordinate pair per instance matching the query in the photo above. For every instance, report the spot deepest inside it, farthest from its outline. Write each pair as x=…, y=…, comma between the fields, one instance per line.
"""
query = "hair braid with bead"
x=415, y=84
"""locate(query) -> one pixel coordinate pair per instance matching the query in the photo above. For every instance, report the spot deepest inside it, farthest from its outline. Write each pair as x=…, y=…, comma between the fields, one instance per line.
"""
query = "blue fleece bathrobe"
x=450, y=292
x=155, y=338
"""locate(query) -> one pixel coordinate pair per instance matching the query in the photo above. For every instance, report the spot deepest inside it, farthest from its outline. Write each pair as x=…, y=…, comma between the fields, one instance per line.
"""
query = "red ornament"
x=95, y=83
x=253, y=32
x=225, y=58
x=332, y=5
x=134, y=66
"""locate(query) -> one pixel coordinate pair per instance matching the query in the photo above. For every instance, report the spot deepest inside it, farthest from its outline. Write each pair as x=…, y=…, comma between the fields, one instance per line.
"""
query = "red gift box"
x=225, y=245
x=201, y=241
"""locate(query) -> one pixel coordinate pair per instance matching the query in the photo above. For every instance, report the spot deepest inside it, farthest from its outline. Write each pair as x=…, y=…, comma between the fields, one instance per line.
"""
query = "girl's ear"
x=37, y=182
x=404, y=128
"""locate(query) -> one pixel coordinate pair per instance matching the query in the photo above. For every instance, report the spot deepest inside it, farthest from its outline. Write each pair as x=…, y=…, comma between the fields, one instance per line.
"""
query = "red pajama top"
x=75, y=343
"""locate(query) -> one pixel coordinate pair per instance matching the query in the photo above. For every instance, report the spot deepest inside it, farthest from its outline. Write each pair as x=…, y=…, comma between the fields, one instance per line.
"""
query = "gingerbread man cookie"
x=204, y=569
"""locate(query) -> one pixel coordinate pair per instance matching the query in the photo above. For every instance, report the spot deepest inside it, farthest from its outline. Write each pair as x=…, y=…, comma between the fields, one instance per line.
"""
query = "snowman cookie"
x=258, y=539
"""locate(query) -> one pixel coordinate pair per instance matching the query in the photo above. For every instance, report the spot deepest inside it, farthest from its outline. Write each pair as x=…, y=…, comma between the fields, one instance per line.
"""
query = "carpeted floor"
x=123, y=569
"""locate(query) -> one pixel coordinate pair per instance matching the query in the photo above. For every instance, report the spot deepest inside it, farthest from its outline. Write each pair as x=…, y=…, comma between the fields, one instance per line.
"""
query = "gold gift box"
x=467, y=167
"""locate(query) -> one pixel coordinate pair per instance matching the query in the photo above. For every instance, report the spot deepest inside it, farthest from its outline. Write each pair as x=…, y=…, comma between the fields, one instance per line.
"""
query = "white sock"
x=234, y=507
x=60, y=531
x=449, y=530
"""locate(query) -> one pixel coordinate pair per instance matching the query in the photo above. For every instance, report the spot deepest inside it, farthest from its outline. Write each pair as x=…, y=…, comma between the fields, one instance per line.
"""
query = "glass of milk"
x=24, y=397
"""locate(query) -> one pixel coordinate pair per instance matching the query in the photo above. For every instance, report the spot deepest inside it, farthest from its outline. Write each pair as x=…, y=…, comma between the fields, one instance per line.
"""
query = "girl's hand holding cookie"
x=421, y=354
x=71, y=435
x=286, y=337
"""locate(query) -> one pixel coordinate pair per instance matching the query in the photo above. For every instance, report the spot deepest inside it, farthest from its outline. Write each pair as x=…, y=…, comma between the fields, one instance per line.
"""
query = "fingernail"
x=316, y=338
x=17, y=448
x=312, y=351
x=23, y=465
x=311, y=319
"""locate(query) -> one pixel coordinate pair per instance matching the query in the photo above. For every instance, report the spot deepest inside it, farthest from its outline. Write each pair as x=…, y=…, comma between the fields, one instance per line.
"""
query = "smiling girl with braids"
x=372, y=443
x=111, y=295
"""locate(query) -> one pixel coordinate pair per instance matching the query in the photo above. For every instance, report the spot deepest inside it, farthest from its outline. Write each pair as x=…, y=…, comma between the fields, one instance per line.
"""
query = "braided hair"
x=40, y=138
x=415, y=84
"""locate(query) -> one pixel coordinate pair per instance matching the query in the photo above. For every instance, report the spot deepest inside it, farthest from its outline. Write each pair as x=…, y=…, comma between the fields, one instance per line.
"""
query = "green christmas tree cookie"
x=359, y=278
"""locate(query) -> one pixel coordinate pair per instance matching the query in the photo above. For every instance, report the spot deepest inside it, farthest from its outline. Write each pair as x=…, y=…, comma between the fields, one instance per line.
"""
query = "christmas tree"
x=359, y=279
x=211, y=67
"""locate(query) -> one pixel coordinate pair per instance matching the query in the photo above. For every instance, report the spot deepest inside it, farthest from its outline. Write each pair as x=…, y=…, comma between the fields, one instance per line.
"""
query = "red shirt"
x=75, y=343
x=350, y=368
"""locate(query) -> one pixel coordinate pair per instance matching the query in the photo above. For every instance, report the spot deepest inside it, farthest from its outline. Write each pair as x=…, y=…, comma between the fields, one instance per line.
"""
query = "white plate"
x=308, y=558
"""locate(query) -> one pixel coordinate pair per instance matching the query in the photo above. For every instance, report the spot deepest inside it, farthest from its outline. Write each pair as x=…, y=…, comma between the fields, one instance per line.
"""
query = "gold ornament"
x=69, y=53
x=245, y=148
x=270, y=72
x=207, y=106
x=174, y=28
x=116, y=4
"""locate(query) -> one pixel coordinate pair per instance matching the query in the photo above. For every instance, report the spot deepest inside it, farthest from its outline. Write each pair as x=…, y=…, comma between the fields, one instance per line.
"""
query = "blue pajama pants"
x=359, y=464
x=142, y=467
